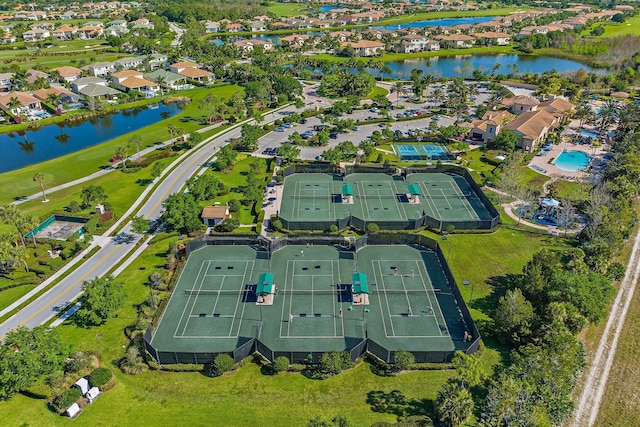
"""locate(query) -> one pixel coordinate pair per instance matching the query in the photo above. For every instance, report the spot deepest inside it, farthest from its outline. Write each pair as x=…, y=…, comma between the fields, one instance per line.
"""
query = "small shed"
x=83, y=385
x=265, y=284
x=92, y=394
x=360, y=284
x=212, y=215
x=414, y=190
x=73, y=410
x=347, y=190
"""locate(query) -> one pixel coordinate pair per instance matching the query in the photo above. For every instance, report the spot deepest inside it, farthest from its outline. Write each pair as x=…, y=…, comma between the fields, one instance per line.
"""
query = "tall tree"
x=121, y=154
x=136, y=140
x=100, y=300
x=9, y=214
x=40, y=178
x=454, y=404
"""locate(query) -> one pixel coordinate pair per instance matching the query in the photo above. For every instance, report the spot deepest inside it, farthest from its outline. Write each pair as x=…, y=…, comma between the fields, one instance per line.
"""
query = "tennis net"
x=306, y=291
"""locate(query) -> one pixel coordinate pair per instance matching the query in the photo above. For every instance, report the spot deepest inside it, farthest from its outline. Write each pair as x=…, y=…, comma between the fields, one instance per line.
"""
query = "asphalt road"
x=111, y=252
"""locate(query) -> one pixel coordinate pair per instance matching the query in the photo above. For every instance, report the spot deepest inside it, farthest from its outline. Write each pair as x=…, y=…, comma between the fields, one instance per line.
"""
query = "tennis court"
x=316, y=200
x=409, y=152
x=316, y=304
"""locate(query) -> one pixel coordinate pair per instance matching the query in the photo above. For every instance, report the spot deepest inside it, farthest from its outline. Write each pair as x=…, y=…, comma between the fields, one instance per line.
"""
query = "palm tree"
x=161, y=81
x=437, y=96
x=608, y=115
x=454, y=404
x=53, y=99
x=40, y=178
x=136, y=140
x=399, y=88
x=121, y=154
x=14, y=103
x=171, y=128
x=55, y=75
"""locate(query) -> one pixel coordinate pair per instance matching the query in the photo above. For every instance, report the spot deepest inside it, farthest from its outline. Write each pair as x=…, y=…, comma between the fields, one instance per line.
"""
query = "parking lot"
x=275, y=139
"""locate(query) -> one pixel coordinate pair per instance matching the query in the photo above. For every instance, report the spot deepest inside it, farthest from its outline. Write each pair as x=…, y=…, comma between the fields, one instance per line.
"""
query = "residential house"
x=129, y=62
x=157, y=60
x=262, y=18
x=295, y=41
x=36, y=35
x=343, y=36
x=256, y=26
x=93, y=87
x=65, y=95
x=25, y=103
x=148, y=87
x=417, y=43
x=90, y=32
x=211, y=27
x=488, y=127
x=521, y=104
x=170, y=80
x=212, y=215
x=33, y=75
x=495, y=38
x=234, y=28
x=98, y=69
x=558, y=107
x=366, y=47
x=68, y=73
x=117, y=22
x=281, y=26
x=64, y=32
x=6, y=82
x=460, y=41
x=191, y=70
x=116, y=30
x=249, y=45
x=8, y=38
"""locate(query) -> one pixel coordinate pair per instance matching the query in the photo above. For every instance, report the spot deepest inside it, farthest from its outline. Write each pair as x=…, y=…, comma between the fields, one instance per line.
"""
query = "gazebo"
x=360, y=288
x=265, y=284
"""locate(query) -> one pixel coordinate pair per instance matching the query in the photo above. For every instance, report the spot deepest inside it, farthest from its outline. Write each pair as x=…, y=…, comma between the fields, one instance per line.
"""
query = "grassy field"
x=287, y=9
x=630, y=27
x=377, y=90
x=72, y=52
x=76, y=165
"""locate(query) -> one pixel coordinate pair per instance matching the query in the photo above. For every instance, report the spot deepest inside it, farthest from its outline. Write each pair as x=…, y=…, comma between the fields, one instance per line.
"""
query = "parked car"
x=287, y=125
x=333, y=135
x=303, y=121
x=279, y=129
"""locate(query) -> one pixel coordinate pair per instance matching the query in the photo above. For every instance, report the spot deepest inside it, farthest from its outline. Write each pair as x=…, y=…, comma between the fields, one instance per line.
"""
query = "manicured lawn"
x=377, y=90
x=8, y=296
x=287, y=9
x=75, y=165
x=532, y=179
x=630, y=27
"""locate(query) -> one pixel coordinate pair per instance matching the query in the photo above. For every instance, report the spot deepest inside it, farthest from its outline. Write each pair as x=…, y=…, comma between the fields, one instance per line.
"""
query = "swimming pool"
x=589, y=134
x=573, y=161
x=421, y=152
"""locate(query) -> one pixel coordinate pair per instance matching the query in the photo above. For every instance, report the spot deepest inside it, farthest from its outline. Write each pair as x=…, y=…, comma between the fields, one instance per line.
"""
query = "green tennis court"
x=316, y=200
x=314, y=307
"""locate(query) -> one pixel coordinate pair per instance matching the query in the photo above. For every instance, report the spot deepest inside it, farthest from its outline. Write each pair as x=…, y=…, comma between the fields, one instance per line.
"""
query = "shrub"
x=403, y=360
x=100, y=376
x=280, y=364
x=615, y=271
x=74, y=207
x=334, y=362
x=77, y=362
x=66, y=399
x=333, y=228
x=373, y=228
x=223, y=363
x=227, y=225
x=276, y=225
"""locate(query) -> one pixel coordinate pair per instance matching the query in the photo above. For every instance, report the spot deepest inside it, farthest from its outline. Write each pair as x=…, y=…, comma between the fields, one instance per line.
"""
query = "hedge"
x=66, y=399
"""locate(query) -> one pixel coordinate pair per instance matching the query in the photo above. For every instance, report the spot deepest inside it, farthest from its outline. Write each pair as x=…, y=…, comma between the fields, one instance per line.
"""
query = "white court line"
x=381, y=282
x=253, y=264
x=456, y=188
x=364, y=197
x=429, y=200
x=215, y=304
x=226, y=275
x=241, y=295
x=437, y=303
x=189, y=300
x=394, y=191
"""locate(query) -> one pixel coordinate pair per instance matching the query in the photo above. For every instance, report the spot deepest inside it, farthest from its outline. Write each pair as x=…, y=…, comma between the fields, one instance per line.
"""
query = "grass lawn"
x=81, y=163
x=377, y=90
x=287, y=9
x=531, y=179
x=630, y=27
x=8, y=296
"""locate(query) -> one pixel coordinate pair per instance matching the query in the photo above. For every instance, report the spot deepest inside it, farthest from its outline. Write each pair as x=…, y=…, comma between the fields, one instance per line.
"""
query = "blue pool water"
x=573, y=161
x=421, y=152
x=589, y=134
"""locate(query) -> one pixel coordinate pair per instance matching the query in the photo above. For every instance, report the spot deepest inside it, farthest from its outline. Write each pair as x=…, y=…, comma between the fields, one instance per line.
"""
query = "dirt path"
x=590, y=400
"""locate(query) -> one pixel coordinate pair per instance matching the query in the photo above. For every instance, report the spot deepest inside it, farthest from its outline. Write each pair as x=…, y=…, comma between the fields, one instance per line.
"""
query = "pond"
x=463, y=65
x=49, y=142
x=442, y=22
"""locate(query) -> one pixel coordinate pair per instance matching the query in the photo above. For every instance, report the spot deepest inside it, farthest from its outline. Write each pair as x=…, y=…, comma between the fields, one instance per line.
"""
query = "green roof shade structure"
x=265, y=284
x=347, y=190
x=414, y=190
x=360, y=284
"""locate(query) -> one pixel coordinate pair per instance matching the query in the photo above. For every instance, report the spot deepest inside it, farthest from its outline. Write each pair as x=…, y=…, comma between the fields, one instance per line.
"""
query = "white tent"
x=92, y=394
x=552, y=203
x=83, y=385
x=73, y=410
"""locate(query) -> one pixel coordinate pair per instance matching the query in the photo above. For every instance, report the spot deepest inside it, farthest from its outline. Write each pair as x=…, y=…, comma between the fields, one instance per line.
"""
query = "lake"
x=463, y=65
x=52, y=141
x=442, y=22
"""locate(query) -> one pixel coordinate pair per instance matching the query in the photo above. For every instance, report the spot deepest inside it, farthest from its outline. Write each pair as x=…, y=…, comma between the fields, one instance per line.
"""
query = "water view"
x=443, y=22
x=49, y=142
x=463, y=65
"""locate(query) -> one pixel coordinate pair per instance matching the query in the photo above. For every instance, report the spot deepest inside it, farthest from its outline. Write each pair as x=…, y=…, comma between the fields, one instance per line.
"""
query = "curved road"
x=111, y=253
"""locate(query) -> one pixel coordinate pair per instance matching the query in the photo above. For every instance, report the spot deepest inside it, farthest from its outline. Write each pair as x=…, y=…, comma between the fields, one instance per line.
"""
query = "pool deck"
x=541, y=163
